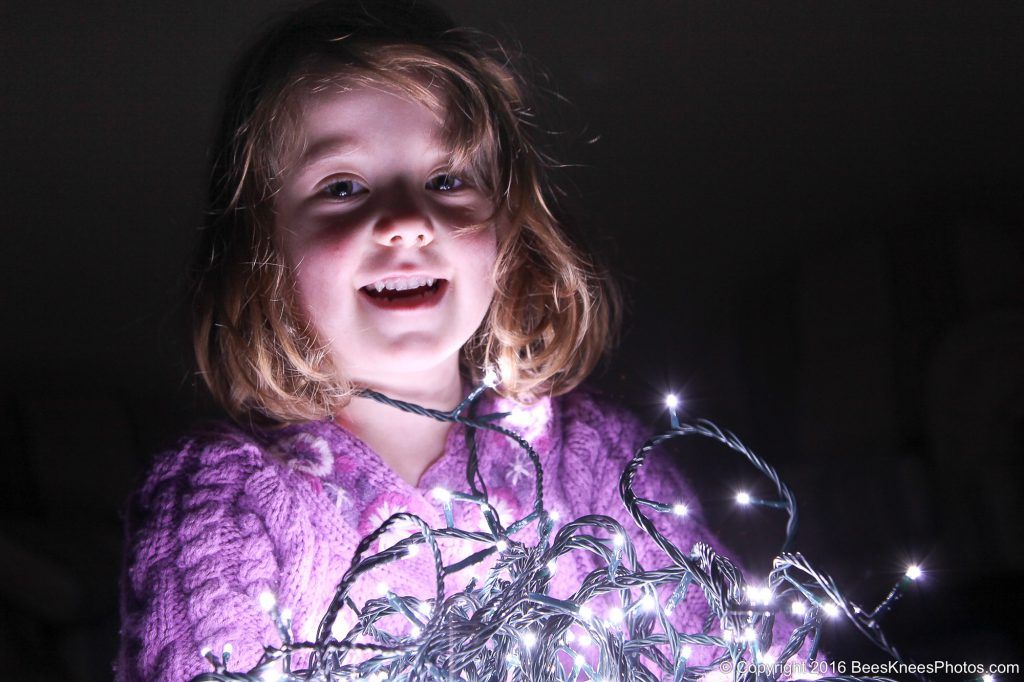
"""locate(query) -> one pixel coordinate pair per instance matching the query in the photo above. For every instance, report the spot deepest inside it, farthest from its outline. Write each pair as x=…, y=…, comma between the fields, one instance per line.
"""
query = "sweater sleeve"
x=197, y=557
x=619, y=434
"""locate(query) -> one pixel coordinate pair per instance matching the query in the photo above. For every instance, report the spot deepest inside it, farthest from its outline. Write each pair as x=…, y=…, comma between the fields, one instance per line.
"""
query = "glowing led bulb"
x=759, y=595
x=798, y=608
x=648, y=603
x=988, y=678
x=529, y=639
x=586, y=613
x=769, y=659
x=414, y=631
x=830, y=609
x=687, y=651
x=423, y=608
x=680, y=509
x=271, y=675
x=580, y=661
x=412, y=550
x=569, y=637
x=615, y=615
x=383, y=588
x=555, y=516
x=204, y=651
x=671, y=401
x=743, y=498
x=586, y=639
x=913, y=571
x=618, y=540
x=749, y=635
x=501, y=545
x=551, y=567
x=286, y=615
x=228, y=649
x=442, y=495
x=490, y=378
x=267, y=600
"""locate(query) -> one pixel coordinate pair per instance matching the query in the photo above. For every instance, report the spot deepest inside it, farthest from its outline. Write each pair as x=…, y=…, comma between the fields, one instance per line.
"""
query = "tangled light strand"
x=506, y=627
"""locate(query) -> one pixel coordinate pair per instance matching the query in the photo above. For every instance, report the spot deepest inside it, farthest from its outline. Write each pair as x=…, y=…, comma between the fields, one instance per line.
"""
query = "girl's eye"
x=344, y=189
x=444, y=183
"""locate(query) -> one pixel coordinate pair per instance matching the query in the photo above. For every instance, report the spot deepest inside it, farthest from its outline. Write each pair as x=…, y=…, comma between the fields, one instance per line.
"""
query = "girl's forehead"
x=363, y=115
x=371, y=92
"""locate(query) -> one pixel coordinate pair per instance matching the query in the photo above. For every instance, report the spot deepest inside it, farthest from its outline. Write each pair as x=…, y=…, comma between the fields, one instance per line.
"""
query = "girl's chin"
x=411, y=367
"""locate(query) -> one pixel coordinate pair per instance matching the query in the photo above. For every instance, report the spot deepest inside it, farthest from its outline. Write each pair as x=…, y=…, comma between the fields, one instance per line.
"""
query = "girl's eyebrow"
x=327, y=148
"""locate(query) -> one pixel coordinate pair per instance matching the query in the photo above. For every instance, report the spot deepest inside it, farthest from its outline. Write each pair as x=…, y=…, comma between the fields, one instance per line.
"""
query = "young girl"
x=377, y=219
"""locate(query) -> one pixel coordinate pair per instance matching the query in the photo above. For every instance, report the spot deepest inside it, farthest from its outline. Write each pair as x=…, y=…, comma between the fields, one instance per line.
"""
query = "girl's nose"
x=408, y=229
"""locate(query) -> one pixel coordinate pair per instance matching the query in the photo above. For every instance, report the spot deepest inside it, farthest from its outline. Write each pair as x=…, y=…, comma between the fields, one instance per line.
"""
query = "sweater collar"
x=326, y=449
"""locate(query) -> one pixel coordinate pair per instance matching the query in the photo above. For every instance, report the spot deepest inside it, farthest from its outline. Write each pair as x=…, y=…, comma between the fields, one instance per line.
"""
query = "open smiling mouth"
x=419, y=297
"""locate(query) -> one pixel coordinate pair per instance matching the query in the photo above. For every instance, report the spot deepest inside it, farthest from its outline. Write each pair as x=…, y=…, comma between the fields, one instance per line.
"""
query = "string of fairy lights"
x=507, y=627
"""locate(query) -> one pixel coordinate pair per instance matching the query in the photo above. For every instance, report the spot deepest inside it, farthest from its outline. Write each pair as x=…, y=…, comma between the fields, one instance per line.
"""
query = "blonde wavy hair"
x=555, y=312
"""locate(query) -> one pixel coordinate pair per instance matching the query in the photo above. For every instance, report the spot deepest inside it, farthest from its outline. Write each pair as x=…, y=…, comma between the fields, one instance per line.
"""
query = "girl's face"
x=369, y=220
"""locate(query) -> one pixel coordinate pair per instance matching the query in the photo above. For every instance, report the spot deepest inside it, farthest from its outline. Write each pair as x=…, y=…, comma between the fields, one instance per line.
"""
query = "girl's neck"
x=408, y=443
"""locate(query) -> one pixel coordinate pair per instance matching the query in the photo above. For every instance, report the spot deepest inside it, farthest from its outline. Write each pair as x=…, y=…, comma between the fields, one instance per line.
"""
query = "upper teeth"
x=401, y=284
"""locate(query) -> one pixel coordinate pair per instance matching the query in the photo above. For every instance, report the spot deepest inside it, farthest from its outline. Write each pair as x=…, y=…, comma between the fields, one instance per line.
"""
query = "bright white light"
x=501, y=545
x=586, y=613
x=914, y=571
x=769, y=659
x=286, y=615
x=271, y=675
x=987, y=678
x=830, y=609
x=580, y=660
x=759, y=594
x=529, y=639
x=743, y=498
x=586, y=639
x=672, y=401
x=618, y=540
x=228, y=649
x=383, y=588
x=423, y=608
x=648, y=603
x=687, y=651
x=555, y=516
x=569, y=637
x=680, y=509
x=267, y=600
x=727, y=635
x=749, y=635
x=798, y=608
x=551, y=567
x=490, y=378
x=615, y=615
x=412, y=550
x=205, y=650
x=414, y=631
x=442, y=495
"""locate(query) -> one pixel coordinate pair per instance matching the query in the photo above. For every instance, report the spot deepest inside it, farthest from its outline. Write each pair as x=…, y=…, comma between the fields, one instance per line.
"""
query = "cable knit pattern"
x=231, y=513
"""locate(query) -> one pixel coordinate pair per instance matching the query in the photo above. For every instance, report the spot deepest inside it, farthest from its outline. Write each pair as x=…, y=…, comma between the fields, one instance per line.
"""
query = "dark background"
x=815, y=207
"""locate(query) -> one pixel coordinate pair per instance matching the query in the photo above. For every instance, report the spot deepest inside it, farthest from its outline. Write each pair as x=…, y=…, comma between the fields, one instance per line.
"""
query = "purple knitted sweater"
x=230, y=514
